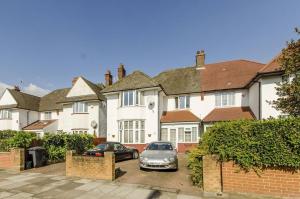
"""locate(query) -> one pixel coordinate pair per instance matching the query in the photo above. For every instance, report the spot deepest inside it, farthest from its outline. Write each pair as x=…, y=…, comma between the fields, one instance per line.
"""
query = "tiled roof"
x=227, y=114
x=24, y=101
x=39, y=125
x=180, y=81
x=50, y=101
x=272, y=66
x=228, y=75
x=178, y=116
x=135, y=80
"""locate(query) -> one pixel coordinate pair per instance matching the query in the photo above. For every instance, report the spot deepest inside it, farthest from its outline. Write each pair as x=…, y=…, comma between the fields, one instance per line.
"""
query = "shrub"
x=10, y=139
x=195, y=164
x=256, y=143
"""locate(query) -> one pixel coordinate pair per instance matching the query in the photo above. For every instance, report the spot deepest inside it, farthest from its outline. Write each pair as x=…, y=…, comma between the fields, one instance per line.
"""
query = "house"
x=79, y=109
x=177, y=105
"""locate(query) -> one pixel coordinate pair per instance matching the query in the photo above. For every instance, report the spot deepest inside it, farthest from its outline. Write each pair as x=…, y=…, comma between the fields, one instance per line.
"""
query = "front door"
x=173, y=139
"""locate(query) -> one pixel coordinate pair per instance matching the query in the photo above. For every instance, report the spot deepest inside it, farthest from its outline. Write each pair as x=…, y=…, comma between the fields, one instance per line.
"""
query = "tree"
x=288, y=90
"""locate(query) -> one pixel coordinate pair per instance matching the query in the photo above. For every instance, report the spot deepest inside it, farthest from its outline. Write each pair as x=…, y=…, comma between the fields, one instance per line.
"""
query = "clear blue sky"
x=48, y=42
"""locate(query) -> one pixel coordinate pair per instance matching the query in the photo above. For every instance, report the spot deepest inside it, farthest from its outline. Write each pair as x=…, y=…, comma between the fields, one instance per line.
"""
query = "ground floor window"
x=184, y=134
x=79, y=131
x=132, y=131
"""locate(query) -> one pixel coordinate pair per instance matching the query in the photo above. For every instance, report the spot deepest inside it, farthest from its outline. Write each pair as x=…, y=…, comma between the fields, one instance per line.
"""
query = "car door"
x=127, y=152
x=119, y=151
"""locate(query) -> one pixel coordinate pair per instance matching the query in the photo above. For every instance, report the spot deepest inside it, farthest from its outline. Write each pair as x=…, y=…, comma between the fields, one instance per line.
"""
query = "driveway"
x=175, y=181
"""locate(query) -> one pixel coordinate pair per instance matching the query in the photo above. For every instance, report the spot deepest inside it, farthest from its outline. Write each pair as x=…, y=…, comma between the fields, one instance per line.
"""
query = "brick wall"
x=91, y=166
x=271, y=182
x=139, y=147
x=231, y=179
x=13, y=160
x=184, y=147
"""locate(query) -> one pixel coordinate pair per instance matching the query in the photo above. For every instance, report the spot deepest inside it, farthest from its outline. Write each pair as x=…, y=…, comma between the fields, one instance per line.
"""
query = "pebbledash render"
x=176, y=105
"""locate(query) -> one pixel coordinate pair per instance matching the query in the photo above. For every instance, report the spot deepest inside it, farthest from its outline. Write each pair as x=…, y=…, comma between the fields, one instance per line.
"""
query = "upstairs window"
x=80, y=107
x=5, y=114
x=132, y=98
x=48, y=116
x=182, y=102
x=224, y=99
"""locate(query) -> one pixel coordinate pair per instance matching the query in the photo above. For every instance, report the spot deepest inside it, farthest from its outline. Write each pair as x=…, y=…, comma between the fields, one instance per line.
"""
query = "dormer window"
x=182, y=102
x=80, y=107
x=5, y=114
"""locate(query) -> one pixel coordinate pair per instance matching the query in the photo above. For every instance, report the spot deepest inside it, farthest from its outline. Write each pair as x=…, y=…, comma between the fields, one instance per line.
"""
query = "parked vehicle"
x=121, y=152
x=159, y=155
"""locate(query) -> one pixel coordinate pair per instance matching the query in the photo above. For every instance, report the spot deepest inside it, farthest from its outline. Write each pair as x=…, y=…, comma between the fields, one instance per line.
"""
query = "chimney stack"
x=108, y=78
x=200, y=58
x=74, y=80
x=17, y=88
x=121, y=71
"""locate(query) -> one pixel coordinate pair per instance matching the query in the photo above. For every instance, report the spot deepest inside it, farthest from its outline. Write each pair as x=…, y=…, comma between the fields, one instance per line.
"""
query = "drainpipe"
x=259, y=100
x=158, y=118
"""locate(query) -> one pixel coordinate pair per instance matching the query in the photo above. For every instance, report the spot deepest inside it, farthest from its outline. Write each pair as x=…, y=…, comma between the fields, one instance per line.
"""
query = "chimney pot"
x=74, y=80
x=17, y=88
x=121, y=71
x=108, y=78
x=200, y=58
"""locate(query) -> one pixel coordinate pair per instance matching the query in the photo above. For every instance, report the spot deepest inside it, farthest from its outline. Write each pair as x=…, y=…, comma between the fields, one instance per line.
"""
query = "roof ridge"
x=234, y=60
x=270, y=62
x=11, y=89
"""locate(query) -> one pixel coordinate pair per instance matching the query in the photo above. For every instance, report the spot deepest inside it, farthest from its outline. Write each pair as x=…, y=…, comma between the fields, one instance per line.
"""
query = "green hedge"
x=57, y=144
x=256, y=143
x=10, y=139
x=195, y=165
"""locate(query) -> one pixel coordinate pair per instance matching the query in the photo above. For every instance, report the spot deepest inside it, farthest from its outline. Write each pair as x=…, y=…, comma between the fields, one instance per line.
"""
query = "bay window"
x=132, y=131
x=182, y=102
x=80, y=107
x=5, y=114
x=224, y=99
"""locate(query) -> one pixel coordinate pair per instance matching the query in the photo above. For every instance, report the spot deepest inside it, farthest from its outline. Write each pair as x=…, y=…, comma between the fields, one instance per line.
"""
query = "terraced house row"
x=177, y=105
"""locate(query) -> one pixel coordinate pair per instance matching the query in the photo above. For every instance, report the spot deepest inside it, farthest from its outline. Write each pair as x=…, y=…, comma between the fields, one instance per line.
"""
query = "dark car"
x=121, y=152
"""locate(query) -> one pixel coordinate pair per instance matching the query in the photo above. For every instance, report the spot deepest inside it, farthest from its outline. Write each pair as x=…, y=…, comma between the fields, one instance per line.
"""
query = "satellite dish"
x=94, y=124
x=151, y=105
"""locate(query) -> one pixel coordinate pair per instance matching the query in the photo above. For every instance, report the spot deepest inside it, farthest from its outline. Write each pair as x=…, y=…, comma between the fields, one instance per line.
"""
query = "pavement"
x=27, y=185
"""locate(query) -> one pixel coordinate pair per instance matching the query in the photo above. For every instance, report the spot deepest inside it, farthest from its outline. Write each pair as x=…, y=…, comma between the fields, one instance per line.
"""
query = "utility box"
x=39, y=156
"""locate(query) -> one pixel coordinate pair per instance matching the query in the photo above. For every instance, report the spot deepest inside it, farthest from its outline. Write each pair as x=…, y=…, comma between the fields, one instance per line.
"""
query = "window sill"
x=132, y=106
x=6, y=119
x=79, y=113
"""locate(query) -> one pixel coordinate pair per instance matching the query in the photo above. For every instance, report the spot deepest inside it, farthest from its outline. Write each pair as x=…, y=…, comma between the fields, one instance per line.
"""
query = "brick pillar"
x=18, y=159
x=109, y=161
x=69, y=163
x=211, y=175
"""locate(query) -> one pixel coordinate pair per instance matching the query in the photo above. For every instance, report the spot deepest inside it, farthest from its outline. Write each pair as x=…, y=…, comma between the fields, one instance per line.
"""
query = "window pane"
x=181, y=102
x=136, y=124
x=130, y=136
x=187, y=101
x=125, y=136
x=231, y=99
x=130, y=124
x=194, y=134
x=142, y=98
x=142, y=138
x=136, y=136
x=142, y=124
x=180, y=134
x=136, y=97
x=218, y=100
x=125, y=95
x=164, y=134
x=126, y=125
x=187, y=137
x=176, y=102
x=85, y=107
x=131, y=98
x=224, y=99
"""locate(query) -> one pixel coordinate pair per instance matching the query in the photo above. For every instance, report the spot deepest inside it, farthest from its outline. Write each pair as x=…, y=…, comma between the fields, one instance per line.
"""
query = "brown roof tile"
x=228, y=75
x=178, y=116
x=227, y=114
x=38, y=125
x=272, y=66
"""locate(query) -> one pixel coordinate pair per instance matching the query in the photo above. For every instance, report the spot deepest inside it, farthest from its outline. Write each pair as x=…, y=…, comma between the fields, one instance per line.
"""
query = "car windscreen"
x=160, y=146
x=101, y=146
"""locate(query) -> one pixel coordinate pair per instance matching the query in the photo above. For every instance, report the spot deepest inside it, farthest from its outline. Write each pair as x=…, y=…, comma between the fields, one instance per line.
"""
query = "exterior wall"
x=102, y=168
x=116, y=113
x=278, y=183
x=186, y=147
x=7, y=99
x=54, y=115
x=268, y=93
x=254, y=99
x=13, y=160
x=80, y=88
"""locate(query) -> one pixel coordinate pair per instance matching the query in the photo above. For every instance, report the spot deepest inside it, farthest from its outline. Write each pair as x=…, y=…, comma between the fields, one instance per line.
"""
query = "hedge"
x=10, y=139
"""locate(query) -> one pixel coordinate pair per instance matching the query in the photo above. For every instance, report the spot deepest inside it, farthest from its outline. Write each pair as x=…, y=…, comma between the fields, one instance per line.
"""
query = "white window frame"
x=5, y=114
x=184, y=99
x=132, y=131
x=48, y=115
x=138, y=98
x=80, y=107
x=225, y=99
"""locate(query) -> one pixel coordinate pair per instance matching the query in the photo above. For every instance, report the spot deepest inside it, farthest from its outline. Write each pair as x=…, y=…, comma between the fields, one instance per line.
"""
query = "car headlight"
x=172, y=159
x=166, y=159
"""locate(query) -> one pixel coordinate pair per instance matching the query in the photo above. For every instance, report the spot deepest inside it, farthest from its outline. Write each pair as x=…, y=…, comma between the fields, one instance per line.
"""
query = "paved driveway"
x=175, y=181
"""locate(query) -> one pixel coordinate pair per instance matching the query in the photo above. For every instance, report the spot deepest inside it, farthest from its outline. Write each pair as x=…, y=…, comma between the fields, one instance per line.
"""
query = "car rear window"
x=160, y=146
x=101, y=146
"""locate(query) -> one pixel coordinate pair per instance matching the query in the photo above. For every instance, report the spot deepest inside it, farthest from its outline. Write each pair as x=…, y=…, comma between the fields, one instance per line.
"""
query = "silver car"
x=159, y=155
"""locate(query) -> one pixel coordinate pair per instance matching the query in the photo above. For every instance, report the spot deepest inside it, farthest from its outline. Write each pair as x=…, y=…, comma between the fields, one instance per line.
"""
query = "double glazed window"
x=132, y=98
x=47, y=116
x=80, y=107
x=132, y=131
x=182, y=102
x=5, y=114
x=187, y=134
x=224, y=99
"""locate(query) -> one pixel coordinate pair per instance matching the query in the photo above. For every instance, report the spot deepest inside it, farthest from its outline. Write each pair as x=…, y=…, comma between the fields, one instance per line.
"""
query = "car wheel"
x=135, y=155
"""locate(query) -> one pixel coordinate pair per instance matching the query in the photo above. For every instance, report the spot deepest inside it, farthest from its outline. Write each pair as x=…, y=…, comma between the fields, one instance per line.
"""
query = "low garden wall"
x=230, y=178
x=13, y=160
x=91, y=166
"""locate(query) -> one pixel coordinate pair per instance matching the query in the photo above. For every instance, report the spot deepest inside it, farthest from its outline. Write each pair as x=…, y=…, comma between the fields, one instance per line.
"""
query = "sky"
x=44, y=44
